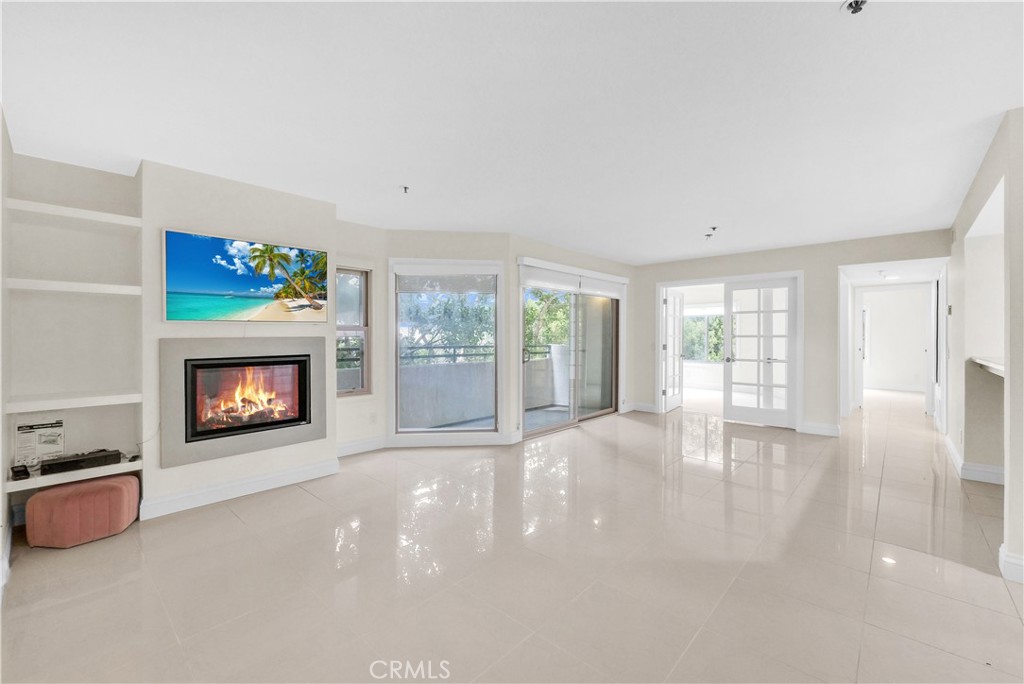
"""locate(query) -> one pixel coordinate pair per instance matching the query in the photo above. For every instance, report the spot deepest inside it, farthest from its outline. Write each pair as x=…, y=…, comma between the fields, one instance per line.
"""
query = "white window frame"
x=367, y=387
x=441, y=267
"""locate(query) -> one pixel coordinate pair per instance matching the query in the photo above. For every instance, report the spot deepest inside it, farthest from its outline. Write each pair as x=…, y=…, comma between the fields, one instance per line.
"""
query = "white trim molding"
x=1011, y=565
x=976, y=472
x=453, y=438
x=979, y=472
x=638, y=406
x=573, y=270
x=361, y=446
x=954, y=456
x=154, y=507
x=823, y=429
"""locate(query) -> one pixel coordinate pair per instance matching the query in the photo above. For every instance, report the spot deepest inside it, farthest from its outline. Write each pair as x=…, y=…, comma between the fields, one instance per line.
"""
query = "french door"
x=672, y=352
x=760, y=334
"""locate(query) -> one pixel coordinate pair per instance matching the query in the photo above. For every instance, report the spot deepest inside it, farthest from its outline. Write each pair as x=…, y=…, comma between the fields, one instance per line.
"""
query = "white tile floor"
x=634, y=548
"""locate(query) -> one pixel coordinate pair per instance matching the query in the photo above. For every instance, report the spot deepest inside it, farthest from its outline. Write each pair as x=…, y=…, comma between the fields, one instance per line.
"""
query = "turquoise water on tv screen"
x=184, y=306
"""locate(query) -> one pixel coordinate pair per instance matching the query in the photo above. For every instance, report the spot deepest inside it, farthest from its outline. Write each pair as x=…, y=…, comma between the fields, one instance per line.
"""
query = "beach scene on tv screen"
x=219, y=279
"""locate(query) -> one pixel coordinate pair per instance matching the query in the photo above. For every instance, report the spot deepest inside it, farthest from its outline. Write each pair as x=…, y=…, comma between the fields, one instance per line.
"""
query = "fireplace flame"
x=251, y=400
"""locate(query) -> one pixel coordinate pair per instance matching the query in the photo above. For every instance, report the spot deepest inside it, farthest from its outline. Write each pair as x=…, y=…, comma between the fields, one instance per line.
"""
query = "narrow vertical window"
x=352, y=318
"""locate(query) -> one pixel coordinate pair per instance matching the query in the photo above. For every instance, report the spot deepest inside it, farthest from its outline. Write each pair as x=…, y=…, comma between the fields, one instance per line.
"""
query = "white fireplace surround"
x=175, y=451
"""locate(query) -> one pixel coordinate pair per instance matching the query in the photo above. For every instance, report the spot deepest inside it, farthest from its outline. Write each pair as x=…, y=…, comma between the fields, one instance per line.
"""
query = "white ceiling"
x=623, y=130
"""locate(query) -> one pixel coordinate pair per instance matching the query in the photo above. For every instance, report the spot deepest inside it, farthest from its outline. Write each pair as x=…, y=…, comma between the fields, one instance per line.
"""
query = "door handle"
x=526, y=355
x=728, y=359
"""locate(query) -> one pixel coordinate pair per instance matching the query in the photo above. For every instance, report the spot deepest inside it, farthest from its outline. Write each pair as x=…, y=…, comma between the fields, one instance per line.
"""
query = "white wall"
x=983, y=296
x=898, y=329
x=1004, y=162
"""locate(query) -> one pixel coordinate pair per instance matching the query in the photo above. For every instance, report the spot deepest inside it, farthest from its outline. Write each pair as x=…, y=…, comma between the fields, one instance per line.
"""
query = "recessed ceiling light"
x=889, y=561
x=853, y=6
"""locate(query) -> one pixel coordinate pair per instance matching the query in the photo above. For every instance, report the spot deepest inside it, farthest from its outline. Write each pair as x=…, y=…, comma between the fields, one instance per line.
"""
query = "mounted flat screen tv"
x=220, y=279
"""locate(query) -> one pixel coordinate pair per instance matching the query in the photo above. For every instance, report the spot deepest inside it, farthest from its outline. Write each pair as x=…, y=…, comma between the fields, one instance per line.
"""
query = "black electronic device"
x=19, y=472
x=93, y=459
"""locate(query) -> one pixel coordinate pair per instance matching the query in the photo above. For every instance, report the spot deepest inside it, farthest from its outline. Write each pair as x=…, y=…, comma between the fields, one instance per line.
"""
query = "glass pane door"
x=759, y=335
x=549, y=391
x=597, y=372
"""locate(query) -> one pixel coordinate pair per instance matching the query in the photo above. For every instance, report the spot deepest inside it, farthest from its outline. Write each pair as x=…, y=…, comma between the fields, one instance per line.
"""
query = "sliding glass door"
x=549, y=369
x=598, y=331
x=570, y=358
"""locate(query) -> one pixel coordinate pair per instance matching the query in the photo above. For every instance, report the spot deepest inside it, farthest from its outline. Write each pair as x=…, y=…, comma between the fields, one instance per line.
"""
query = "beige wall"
x=1004, y=159
x=183, y=200
x=820, y=267
x=363, y=420
x=41, y=180
x=984, y=296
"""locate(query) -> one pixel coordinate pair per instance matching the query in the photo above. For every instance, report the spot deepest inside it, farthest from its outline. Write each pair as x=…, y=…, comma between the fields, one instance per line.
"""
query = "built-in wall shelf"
x=58, y=215
x=70, y=286
x=39, y=481
x=994, y=366
x=58, y=402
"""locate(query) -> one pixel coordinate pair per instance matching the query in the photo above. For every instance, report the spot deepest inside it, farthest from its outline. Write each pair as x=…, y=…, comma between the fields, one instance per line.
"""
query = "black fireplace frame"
x=193, y=366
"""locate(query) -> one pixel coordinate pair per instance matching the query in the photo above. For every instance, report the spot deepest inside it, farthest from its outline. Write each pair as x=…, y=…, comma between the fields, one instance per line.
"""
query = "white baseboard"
x=452, y=439
x=165, y=505
x=975, y=472
x=982, y=473
x=636, y=406
x=1011, y=565
x=361, y=446
x=823, y=429
x=917, y=389
x=954, y=457
x=5, y=562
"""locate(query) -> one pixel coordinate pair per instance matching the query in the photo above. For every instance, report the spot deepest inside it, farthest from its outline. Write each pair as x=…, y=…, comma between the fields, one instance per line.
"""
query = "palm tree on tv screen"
x=270, y=260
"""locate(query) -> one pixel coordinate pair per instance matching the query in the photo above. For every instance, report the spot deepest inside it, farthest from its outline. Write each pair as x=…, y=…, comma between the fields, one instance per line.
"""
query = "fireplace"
x=222, y=397
x=245, y=394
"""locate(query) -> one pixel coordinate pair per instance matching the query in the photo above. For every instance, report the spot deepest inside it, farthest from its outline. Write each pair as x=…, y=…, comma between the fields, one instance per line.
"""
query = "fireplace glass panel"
x=232, y=396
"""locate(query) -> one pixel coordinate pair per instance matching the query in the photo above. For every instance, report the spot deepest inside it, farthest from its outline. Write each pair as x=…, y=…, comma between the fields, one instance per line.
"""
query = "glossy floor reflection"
x=634, y=548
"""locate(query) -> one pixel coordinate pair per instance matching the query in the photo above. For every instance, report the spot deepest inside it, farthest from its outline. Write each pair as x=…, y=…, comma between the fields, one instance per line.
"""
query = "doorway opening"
x=700, y=328
x=893, y=332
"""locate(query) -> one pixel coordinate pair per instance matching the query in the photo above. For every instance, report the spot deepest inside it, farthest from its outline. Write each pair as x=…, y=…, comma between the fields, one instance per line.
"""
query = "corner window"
x=702, y=337
x=351, y=315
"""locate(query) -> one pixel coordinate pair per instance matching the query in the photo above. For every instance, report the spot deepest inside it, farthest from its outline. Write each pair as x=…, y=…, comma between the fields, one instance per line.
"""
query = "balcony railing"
x=443, y=353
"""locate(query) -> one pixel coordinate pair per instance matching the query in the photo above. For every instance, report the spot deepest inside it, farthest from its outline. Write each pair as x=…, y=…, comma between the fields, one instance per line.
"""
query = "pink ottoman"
x=79, y=512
